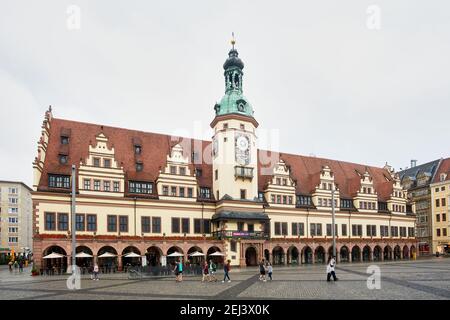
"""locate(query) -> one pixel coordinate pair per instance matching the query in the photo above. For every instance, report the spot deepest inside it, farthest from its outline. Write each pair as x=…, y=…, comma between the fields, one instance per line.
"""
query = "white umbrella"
x=197, y=254
x=132, y=255
x=53, y=255
x=83, y=255
x=216, y=254
x=175, y=254
x=106, y=255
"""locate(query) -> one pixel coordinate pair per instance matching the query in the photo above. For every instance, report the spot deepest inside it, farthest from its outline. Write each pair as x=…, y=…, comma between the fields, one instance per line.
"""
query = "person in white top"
x=95, y=271
x=330, y=269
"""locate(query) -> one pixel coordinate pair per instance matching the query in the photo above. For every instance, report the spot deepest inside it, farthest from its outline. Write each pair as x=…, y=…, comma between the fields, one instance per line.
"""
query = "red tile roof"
x=444, y=167
x=156, y=147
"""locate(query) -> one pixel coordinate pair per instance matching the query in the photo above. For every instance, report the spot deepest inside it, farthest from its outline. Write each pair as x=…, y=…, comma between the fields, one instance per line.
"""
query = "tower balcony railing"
x=243, y=172
x=235, y=234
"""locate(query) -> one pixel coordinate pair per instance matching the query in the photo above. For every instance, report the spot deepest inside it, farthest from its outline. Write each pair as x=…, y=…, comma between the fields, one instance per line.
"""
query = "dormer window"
x=182, y=171
x=107, y=163
x=139, y=166
x=442, y=177
x=137, y=149
x=96, y=162
x=63, y=159
x=369, y=190
x=173, y=170
x=64, y=140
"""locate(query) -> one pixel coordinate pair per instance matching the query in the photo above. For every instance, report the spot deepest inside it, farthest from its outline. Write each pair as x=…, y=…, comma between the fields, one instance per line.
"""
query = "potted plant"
x=34, y=271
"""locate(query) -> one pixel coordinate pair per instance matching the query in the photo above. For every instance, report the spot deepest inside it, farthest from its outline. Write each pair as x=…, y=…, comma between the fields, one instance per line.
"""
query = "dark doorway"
x=251, y=256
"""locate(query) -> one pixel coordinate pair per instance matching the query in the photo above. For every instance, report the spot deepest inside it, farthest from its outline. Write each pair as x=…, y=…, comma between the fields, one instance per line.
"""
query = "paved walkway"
x=421, y=279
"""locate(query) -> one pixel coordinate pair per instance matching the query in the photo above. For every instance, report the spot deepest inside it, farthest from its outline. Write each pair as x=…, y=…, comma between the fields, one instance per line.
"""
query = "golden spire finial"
x=233, y=40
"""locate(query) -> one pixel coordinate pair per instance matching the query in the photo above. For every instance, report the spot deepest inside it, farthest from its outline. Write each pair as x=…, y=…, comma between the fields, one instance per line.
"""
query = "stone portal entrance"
x=251, y=257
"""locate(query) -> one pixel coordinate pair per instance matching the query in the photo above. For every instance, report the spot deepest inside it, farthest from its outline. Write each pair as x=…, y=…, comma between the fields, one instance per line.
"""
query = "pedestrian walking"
x=205, y=272
x=10, y=265
x=270, y=270
x=212, y=270
x=16, y=266
x=179, y=267
x=226, y=271
x=95, y=272
x=20, y=266
x=262, y=271
x=330, y=269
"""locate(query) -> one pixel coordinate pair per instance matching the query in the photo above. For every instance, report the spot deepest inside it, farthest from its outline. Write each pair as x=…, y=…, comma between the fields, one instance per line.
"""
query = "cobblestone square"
x=427, y=279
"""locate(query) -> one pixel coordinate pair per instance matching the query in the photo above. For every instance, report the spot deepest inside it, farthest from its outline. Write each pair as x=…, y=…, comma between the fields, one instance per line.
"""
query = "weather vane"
x=233, y=41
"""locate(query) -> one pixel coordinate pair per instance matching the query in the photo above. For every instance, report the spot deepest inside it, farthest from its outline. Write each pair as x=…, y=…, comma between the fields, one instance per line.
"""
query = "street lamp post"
x=74, y=262
x=333, y=226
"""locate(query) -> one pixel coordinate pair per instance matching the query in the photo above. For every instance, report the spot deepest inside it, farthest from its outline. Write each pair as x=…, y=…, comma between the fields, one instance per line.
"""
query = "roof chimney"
x=413, y=163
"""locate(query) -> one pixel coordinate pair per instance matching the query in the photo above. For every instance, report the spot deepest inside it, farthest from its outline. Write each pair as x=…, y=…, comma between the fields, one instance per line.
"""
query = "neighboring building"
x=154, y=194
x=440, y=200
x=15, y=217
x=417, y=180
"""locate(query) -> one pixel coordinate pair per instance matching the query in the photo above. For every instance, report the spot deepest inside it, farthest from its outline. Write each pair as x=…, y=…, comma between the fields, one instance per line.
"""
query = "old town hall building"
x=155, y=194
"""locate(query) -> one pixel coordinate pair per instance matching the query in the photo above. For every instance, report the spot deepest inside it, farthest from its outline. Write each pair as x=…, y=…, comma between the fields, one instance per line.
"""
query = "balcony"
x=234, y=234
x=243, y=172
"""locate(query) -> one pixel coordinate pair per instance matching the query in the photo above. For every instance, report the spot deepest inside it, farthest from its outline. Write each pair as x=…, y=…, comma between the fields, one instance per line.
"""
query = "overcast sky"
x=318, y=73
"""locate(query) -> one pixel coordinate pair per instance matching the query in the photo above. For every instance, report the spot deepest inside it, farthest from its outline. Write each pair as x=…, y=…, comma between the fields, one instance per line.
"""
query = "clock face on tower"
x=242, y=148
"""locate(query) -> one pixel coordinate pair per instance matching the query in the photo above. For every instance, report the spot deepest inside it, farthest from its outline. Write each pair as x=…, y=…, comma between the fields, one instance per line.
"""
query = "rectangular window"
x=438, y=218
x=250, y=227
x=240, y=226
x=12, y=210
x=173, y=191
x=141, y=187
x=374, y=230
x=182, y=192
x=190, y=193
x=80, y=222
x=243, y=194
x=91, y=222
x=175, y=225
x=58, y=181
x=112, y=223
x=402, y=231
x=319, y=229
x=216, y=174
x=198, y=226
x=185, y=228
x=444, y=217
x=344, y=230
x=277, y=228
x=437, y=202
x=284, y=228
x=444, y=232
x=294, y=228
x=123, y=223
x=356, y=230
x=313, y=229
x=438, y=232
x=301, y=229
x=96, y=162
x=443, y=202
x=156, y=225
x=233, y=245
x=165, y=190
x=278, y=198
x=107, y=163
x=205, y=193
x=284, y=199
x=329, y=230
x=116, y=186
x=106, y=185
x=63, y=221
x=182, y=171
x=206, y=226
x=145, y=224
x=87, y=184
x=173, y=170
x=96, y=185
x=272, y=198
x=290, y=199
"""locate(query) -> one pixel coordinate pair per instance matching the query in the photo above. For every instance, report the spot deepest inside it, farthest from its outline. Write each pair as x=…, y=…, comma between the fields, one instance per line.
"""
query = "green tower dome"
x=233, y=102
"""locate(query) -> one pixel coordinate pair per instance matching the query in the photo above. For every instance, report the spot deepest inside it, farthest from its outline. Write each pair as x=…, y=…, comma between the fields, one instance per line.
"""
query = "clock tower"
x=235, y=171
